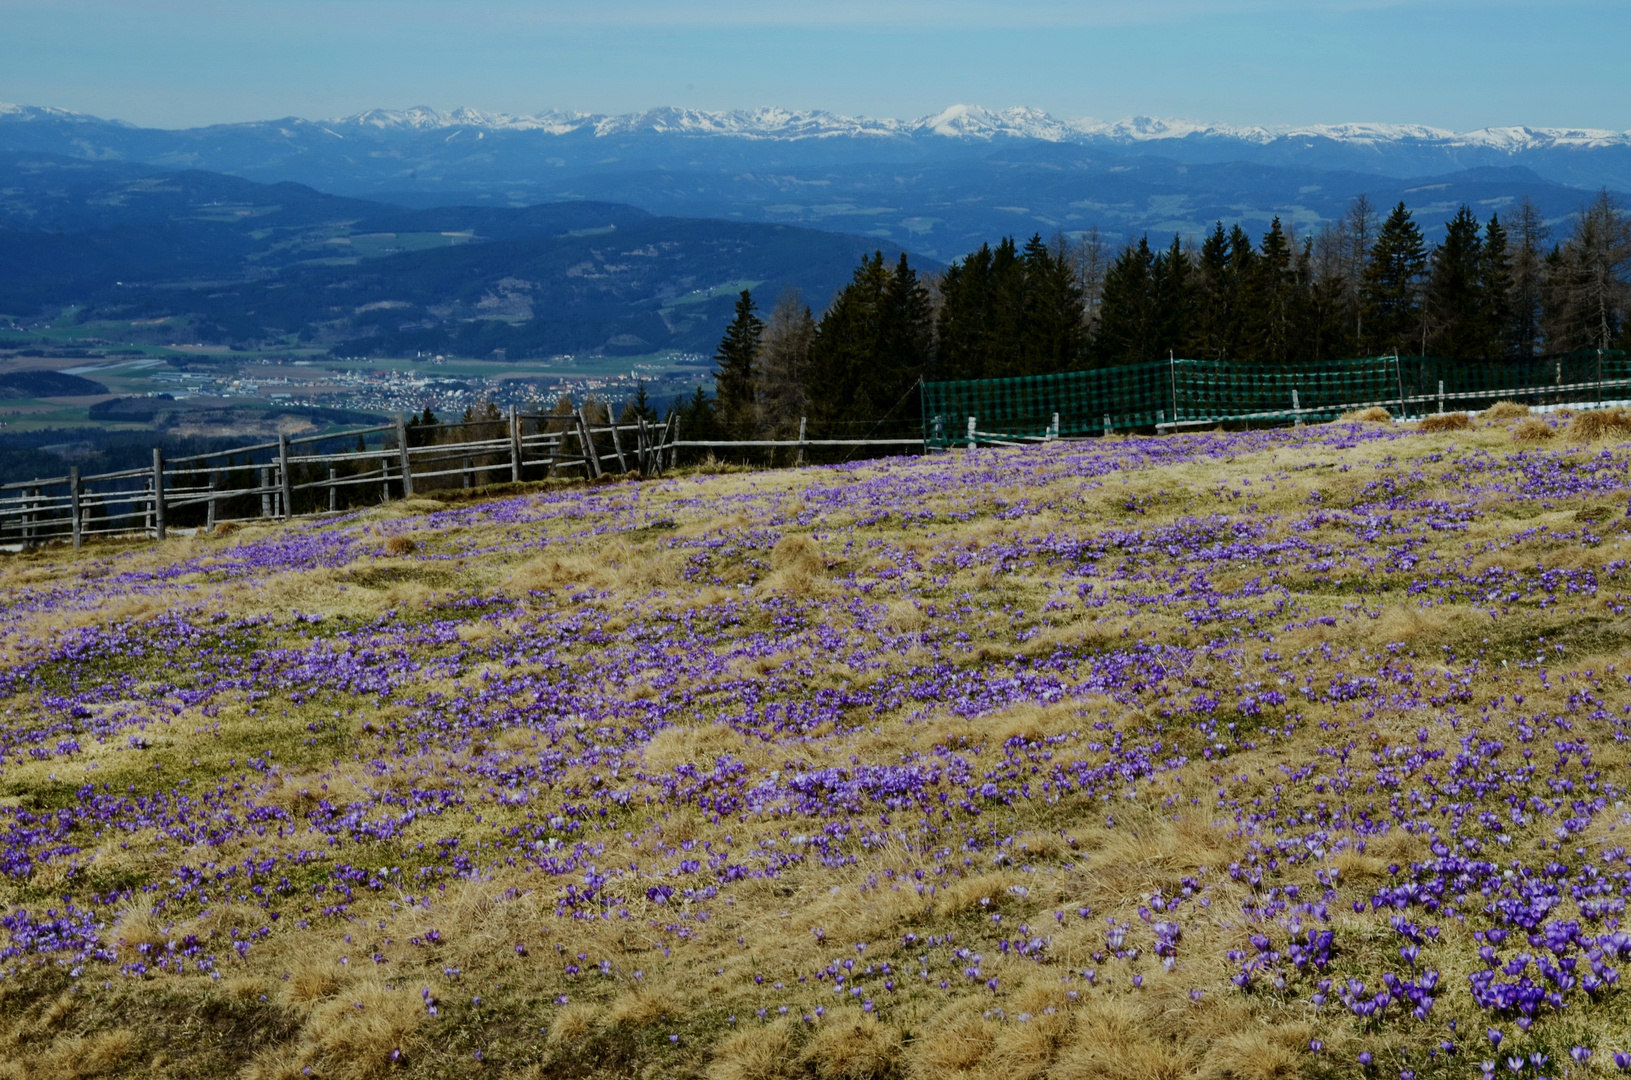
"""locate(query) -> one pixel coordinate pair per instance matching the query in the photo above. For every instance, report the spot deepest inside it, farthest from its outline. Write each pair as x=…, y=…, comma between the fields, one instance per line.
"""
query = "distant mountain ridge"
x=967, y=122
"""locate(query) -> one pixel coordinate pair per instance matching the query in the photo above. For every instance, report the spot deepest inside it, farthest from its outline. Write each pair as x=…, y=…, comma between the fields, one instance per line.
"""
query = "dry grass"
x=762, y=1053
x=1600, y=424
x=1373, y=415
x=401, y=545
x=861, y=1049
x=1505, y=410
x=1439, y=422
x=1532, y=429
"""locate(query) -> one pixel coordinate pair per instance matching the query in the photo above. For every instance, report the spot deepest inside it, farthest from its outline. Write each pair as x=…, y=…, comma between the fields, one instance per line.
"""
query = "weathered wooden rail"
x=318, y=474
x=307, y=475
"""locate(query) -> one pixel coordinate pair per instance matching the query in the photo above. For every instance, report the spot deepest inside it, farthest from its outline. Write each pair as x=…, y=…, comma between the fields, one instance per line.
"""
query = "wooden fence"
x=318, y=474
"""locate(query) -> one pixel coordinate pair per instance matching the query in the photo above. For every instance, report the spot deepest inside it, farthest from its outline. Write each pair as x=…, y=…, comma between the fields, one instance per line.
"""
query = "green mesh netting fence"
x=1177, y=394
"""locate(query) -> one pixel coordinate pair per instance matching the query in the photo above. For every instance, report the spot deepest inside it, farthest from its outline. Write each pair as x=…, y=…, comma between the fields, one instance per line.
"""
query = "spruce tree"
x=734, y=379
x=1495, y=287
x=1212, y=296
x=1274, y=298
x=1453, y=299
x=1171, y=301
x=1052, y=338
x=1390, y=292
x=1124, y=331
x=870, y=347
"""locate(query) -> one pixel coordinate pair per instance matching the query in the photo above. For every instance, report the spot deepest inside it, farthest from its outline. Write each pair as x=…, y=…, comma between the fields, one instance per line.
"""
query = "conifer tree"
x=1495, y=288
x=1171, y=300
x=1124, y=332
x=734, y=377
x=1453, y=303
x=1274, y=298
x=1391, y=287
x=870, y=347
x=1051, y=336
x=1213, y=294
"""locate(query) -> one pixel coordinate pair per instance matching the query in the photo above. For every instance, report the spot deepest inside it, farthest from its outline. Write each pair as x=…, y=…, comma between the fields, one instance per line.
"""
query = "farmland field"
x=1267, y=754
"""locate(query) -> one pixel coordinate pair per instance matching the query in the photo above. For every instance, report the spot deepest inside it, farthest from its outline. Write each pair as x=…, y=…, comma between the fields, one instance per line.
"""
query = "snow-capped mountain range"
x=937, y=184
x=964, y=122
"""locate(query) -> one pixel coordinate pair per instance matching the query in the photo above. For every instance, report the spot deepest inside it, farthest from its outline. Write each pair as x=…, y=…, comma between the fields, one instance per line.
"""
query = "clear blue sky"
x=1450, y=63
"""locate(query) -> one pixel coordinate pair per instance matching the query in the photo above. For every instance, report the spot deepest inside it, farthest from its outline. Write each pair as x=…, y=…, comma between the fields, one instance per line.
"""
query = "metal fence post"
x=407, y=466
x=158, y=492
x=515, y=447
x=73, y=506
x=283, y=473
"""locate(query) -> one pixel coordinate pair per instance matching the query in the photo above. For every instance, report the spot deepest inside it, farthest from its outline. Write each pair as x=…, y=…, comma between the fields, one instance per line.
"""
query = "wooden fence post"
x=384, y=480
x=617, y=447
x=333, y=491
x=515, y=447
x=802, y=421
x=971, y=442
x=283, y=472
x=209, y=513
x=407, y=466
x=590, y=454
x=73, y=506
x=464, y=472
x=158, y=492
x=265, y=477
x=674, y=444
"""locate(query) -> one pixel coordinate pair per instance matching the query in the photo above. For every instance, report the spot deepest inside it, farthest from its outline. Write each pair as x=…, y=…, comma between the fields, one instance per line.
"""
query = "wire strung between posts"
x=884, y=417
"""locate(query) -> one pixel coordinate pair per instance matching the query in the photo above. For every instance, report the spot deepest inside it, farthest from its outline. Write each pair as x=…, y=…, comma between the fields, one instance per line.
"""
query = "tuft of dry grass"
x=1373, y=415
x=1455, y=421
x=1114, y=1041
x=861, y=1049
x=1532, y=429
x=1600, y=424
x=766, y=1053
x=355, y=1033
x=1260, y=1053
x=401, y=545
x=1505, y=410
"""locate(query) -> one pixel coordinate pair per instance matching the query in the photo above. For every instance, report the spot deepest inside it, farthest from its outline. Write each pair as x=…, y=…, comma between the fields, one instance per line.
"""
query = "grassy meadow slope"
x=1290, y=753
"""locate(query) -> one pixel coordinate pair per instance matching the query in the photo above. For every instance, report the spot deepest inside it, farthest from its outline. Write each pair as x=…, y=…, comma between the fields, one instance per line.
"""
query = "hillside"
x=1270, y=754
x=281, y=265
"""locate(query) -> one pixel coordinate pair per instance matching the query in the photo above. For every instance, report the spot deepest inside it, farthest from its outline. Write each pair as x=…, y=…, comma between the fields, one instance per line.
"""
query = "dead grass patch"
x=1505, y=410
x=1600, y=424
x=765, y=1053
x=855, y=1049
x=1532, y=429
x=1373, y=415
x=1439, y=422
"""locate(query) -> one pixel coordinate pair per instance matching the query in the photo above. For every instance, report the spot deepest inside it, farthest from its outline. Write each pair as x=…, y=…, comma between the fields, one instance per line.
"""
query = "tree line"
x=1365, y=285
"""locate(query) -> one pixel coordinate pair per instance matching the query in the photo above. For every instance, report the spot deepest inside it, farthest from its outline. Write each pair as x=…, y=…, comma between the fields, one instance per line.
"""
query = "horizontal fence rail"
x=315, y=474
x=1177, y=394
